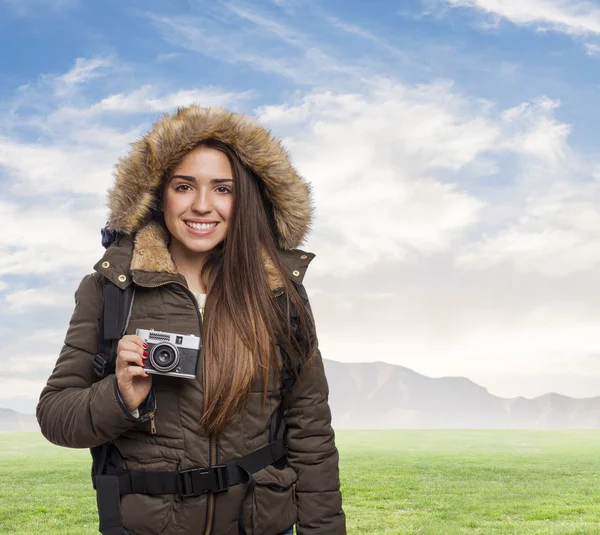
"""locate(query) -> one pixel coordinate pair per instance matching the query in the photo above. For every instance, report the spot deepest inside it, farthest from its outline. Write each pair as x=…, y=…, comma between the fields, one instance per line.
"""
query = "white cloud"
x=304, y=62
x=374, y=159
x=85, y=70
x=34, y=298
x=144, y=100
x=44, y=169
x=21, y=389
x=572, y=17
x=552, y=223
x=43, y=240
x=593, y=49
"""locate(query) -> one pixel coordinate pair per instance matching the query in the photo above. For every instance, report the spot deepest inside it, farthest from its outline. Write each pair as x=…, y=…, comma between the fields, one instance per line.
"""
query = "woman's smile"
x=201, y=229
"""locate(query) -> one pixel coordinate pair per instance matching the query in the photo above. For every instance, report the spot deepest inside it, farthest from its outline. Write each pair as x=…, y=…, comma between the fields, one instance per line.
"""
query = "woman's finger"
x=126, y=358
x=130, y=345
x=135, y=371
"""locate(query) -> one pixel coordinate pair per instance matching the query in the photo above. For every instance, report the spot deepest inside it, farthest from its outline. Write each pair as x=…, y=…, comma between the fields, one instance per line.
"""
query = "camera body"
x=171, y=354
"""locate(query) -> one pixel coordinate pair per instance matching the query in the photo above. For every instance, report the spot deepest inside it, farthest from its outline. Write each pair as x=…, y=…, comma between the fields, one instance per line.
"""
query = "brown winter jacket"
x=78, y=410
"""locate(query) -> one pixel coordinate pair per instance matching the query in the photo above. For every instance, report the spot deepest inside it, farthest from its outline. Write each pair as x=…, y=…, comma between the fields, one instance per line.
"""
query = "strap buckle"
x=100, y=365
x=197, y=481
x=221, y=478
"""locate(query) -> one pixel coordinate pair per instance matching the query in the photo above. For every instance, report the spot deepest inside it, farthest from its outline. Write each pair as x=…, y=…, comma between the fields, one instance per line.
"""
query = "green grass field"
x=394, y=482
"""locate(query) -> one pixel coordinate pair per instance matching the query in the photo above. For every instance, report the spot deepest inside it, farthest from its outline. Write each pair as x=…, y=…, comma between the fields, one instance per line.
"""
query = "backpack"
x=111, y=481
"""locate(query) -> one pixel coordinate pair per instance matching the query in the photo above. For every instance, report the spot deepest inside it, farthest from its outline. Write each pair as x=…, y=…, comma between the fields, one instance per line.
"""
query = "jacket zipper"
x=212, y=444
x=152, y=424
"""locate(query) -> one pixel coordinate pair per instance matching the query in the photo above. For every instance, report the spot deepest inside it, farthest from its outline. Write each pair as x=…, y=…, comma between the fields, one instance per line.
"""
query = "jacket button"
x=295, y=273
x=105, y=264
x=122, y=278
x=304, y=257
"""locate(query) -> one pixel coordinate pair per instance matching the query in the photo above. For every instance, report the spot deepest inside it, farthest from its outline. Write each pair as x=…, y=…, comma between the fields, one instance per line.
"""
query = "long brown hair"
x=243, y=323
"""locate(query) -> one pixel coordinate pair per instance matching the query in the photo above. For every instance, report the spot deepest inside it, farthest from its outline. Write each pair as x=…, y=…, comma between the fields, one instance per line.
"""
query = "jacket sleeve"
x=312, y=452
x=75, y=409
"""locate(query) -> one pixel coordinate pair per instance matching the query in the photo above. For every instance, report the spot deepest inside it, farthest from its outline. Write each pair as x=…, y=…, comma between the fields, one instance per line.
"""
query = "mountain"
x=15, y=421
x=385, y=396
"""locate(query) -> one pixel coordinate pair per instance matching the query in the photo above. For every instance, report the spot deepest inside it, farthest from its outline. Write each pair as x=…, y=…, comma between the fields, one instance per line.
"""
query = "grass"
x=436, y=482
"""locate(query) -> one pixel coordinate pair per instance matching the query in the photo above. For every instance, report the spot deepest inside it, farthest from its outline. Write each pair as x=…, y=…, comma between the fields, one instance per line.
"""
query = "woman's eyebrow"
x=193, y=179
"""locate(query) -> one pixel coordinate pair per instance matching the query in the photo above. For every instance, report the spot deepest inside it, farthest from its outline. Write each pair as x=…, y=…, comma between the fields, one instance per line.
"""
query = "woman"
x=209, y=212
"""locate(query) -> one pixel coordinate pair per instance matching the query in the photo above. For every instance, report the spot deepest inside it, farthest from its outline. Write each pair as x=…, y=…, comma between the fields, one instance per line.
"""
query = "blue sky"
x=452, y=147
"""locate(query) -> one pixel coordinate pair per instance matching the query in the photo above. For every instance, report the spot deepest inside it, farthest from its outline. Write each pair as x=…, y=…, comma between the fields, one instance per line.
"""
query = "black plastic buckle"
x=197, y=481
x=221, y=478
x=185, y=481
x=99, y=365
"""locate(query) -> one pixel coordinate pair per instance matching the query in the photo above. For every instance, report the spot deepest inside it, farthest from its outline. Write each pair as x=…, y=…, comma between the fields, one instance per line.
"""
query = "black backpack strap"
x=116, y=307
x=106, y=484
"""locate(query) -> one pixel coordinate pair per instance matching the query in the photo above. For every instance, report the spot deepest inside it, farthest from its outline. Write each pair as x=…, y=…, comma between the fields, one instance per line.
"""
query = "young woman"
x=209, y=213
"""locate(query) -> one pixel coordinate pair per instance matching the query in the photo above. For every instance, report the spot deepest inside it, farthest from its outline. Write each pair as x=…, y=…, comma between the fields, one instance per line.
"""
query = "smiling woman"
x=206, y=203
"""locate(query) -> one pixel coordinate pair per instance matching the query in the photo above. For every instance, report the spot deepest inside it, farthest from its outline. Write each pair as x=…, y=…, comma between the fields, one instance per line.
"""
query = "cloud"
x=56, y=168
x=365, y=34
x=552, y=215
x=35, y=298
x=85, y=70
x=145, y=99
x=592, y=49
x=566, y=16
x=377, y=162
x=255, y=39
x=14, y=389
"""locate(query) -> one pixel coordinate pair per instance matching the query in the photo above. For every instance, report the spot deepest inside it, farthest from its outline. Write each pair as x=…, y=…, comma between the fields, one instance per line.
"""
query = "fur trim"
x=151, y=253
x=140, y=174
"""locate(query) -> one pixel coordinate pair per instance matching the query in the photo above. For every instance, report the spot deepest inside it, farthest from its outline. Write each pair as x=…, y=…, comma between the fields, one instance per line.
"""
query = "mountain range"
x=386, y=396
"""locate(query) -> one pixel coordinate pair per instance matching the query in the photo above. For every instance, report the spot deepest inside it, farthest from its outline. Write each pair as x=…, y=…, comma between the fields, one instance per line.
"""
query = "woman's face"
x=198, y=199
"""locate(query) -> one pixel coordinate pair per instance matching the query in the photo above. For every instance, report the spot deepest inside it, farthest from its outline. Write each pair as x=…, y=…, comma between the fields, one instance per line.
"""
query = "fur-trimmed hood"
x=140, y=174
x=139, y=177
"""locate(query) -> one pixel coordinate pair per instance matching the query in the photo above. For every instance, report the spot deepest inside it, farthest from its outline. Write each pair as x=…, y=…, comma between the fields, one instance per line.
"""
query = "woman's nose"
x=202, y=202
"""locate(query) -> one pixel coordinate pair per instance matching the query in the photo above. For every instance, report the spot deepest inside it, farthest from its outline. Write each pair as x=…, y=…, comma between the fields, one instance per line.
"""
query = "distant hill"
x=15, y=421
x=384, y=396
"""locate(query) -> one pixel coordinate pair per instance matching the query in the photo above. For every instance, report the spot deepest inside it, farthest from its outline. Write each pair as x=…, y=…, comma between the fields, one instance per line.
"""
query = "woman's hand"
x=133, y=381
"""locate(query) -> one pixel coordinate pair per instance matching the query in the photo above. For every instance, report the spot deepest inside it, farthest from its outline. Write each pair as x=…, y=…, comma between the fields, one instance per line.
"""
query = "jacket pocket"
x=274, y=503
x=145, y=514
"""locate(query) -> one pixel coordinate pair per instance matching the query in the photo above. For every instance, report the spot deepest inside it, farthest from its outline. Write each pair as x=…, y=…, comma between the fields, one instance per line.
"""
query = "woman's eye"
x=178, y=188
x=224, y=189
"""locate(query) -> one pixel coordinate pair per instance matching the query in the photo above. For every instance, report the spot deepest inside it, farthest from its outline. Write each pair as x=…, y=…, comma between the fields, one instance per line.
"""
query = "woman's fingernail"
x=145, y=353
x=145, y=345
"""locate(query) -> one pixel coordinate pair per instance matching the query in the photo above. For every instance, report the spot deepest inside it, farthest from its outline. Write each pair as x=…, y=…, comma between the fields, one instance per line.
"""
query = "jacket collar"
x=145, y=260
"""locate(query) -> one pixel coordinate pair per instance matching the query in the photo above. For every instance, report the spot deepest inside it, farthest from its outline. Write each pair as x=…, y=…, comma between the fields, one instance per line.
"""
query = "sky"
x=452, y=146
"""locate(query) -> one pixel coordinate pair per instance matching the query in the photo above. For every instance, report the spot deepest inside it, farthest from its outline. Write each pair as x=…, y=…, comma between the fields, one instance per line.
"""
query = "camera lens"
x=164, y=357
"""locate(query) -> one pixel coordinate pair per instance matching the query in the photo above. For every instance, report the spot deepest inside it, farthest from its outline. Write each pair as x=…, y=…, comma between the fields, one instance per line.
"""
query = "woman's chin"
x=199, y=245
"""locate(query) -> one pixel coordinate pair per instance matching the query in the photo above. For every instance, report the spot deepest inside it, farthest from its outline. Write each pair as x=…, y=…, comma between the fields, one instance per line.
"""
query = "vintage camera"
x=171, y=354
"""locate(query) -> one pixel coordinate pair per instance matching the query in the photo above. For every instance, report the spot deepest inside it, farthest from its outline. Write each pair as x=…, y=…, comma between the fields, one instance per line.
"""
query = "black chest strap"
x=191, y=482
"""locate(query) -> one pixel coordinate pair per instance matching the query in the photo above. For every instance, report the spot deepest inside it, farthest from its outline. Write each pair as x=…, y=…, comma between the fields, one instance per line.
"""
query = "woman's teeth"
x=201, y=226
